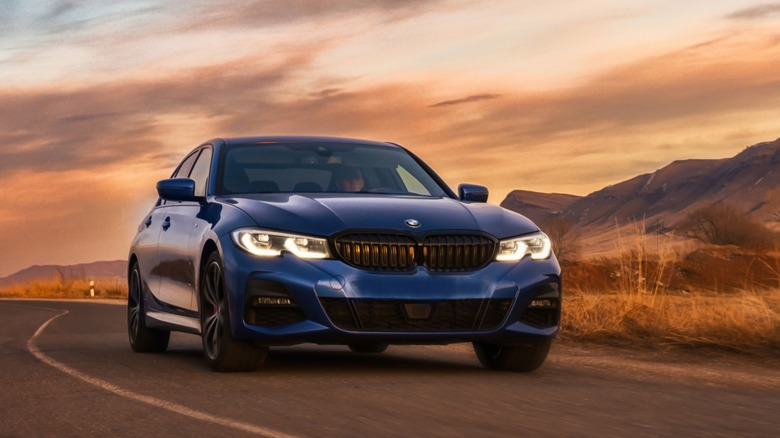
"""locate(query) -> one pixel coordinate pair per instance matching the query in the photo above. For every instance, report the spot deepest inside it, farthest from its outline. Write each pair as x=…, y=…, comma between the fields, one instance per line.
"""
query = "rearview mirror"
x=472, y=193
x=178, y=189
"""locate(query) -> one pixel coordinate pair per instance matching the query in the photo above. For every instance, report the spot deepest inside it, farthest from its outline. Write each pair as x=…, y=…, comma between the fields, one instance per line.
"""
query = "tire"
x=368, y=348
x=512, y=358
x=142, y=338
x=222, y=351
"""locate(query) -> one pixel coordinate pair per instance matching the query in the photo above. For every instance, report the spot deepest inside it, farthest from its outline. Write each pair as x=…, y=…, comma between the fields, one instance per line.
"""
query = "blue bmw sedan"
x=270, y=241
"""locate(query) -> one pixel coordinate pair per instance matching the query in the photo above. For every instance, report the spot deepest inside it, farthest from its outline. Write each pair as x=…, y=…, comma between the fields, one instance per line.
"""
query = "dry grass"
x=651, y=296
x=109, y=287
x=747, y=321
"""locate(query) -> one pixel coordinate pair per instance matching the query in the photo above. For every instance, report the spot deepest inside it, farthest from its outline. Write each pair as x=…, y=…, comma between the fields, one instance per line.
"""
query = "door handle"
x=166, y=223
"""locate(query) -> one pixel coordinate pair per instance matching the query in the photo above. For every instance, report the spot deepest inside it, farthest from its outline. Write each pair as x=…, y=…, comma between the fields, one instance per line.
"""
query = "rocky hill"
x=538, y=206
x=749, y=181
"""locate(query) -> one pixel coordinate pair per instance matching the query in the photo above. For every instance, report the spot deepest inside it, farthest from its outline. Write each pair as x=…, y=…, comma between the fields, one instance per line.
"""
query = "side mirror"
x=178, y=189
x=472, y=193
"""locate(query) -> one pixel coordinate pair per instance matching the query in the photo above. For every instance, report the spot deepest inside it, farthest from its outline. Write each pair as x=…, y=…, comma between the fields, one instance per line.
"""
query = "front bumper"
x=286, y=300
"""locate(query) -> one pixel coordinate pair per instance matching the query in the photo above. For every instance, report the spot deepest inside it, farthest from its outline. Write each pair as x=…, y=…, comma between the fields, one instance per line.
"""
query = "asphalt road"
x=75, y=375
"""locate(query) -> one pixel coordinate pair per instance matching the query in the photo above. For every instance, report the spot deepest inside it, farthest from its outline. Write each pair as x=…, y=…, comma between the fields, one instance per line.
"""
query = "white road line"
x=152, y=401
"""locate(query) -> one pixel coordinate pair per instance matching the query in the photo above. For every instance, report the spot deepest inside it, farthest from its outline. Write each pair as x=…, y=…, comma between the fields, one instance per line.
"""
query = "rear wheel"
x=513, y=358
x=142, y=338
x=368, y=348
x=222, y=351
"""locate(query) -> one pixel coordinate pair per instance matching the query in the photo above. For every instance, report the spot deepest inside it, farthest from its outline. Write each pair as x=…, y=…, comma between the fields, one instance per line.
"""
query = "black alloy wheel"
x=142, y=338
x=223, y=352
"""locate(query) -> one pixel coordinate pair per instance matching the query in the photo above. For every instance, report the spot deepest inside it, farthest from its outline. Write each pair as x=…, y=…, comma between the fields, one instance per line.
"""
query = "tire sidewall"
x=133, y=289
x=213, y=259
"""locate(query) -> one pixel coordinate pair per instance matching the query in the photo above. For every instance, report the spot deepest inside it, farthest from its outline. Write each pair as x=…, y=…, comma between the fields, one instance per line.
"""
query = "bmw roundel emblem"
x=412, y=223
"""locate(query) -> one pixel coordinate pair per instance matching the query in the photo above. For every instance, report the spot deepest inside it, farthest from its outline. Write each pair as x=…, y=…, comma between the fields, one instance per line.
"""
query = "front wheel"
x=513, y=358
x=223, y=352
x=142, y=338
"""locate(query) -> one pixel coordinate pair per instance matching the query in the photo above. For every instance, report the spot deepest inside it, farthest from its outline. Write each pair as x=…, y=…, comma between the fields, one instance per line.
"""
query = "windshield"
x=323, y=167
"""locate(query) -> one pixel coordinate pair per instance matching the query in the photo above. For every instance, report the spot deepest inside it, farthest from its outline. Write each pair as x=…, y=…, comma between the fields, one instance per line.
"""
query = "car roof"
x=300, y=139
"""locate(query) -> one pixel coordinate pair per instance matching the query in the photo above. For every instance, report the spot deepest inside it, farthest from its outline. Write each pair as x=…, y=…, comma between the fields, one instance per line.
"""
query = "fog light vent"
x=544, y=308
x=269, y=304
x=273, y=301
x=543, y=304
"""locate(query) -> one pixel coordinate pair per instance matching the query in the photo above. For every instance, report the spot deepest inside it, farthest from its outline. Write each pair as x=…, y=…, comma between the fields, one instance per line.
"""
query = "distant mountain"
x=665, y=197
x=116, y=268
x=538, y=206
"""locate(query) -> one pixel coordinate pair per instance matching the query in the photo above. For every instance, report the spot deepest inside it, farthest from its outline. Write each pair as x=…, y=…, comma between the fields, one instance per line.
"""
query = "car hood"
x=327, y=214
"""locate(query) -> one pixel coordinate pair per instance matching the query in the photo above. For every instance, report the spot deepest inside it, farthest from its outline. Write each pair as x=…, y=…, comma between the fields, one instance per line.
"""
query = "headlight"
x=536, y=245
x=271, y=243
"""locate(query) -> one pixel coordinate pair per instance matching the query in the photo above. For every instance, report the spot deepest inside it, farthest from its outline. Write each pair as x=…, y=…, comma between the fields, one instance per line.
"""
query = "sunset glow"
x=99, y=100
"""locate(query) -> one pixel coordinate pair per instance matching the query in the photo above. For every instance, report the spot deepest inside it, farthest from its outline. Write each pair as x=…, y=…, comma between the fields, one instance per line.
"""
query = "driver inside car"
x=348, y=179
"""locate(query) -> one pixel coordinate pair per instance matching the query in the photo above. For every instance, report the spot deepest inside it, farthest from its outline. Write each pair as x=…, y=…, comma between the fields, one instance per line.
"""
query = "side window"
x=185, y=166
x=200, y=172
x=413, y=185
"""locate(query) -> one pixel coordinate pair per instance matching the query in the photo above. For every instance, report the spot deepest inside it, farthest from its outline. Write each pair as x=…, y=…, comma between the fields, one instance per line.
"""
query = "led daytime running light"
x=271, y=244
x=537, y=245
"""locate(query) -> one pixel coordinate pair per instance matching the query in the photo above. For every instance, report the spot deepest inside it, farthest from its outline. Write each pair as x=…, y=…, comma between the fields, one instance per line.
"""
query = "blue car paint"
x=176, y=236
x=334, y=212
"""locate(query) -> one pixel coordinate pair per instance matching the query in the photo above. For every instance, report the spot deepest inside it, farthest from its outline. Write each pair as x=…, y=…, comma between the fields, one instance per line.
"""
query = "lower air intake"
x=394, y=315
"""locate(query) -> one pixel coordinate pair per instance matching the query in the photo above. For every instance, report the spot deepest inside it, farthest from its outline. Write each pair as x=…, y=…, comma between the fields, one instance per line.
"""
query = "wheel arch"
x=133, y=260
x=209, y=247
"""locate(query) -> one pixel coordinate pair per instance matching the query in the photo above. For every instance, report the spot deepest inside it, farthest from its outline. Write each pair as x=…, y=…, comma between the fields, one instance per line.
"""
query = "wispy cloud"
x=756, y=12
x=51, y=129
x=257, y=13
x=474, y=98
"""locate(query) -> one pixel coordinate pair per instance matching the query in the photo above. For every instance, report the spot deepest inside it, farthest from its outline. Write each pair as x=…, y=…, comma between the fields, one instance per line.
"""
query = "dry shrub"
x=724, y=224
x=644, y=270
x=565, y=238
x=728, y=269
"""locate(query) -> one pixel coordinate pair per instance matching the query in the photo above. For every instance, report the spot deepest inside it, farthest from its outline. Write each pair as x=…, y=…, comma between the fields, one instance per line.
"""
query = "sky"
x=99, y=100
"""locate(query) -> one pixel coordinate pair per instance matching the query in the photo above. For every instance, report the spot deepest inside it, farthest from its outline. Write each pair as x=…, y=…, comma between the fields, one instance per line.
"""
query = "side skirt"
x=173, y=322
